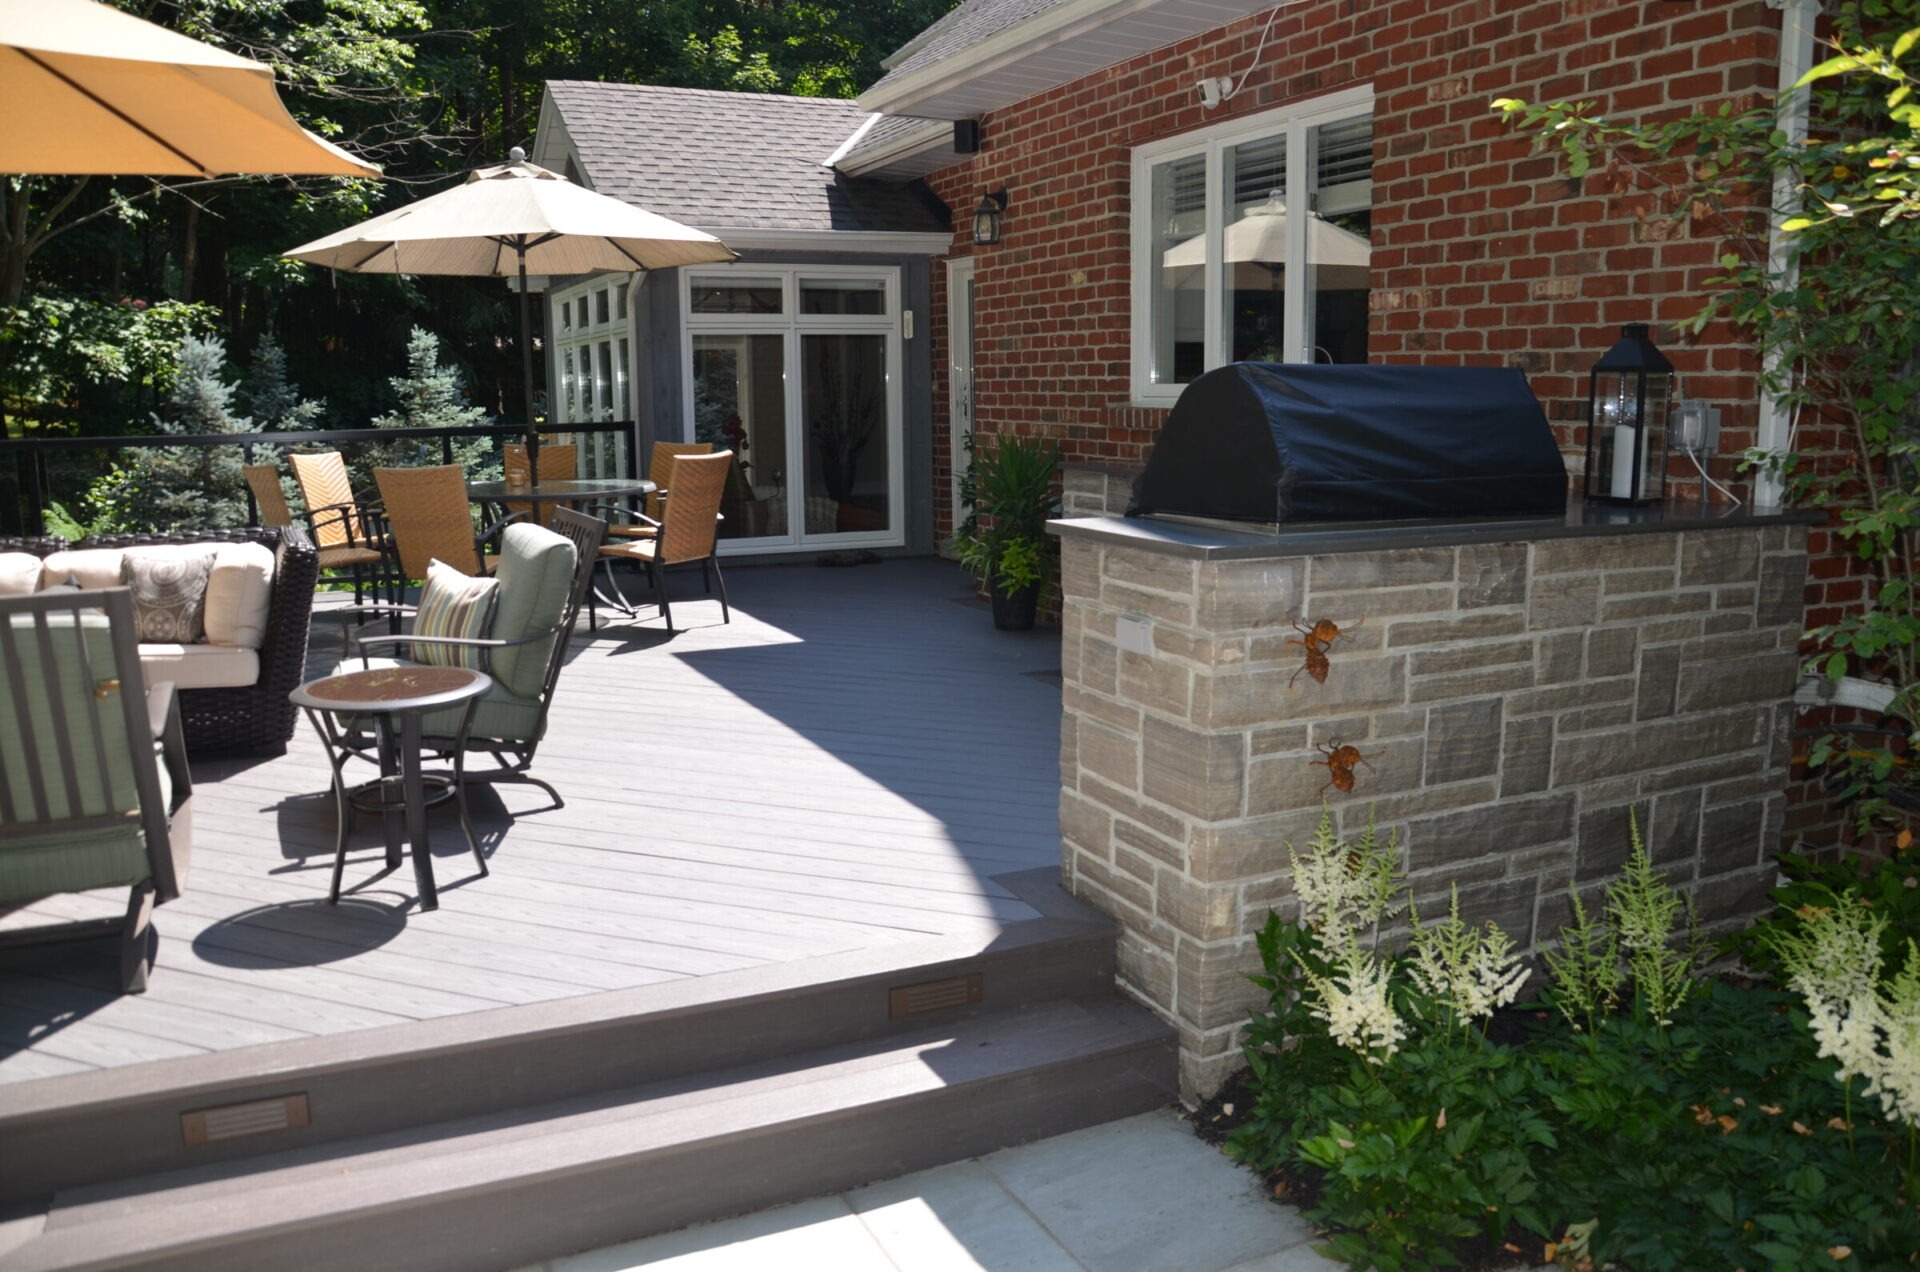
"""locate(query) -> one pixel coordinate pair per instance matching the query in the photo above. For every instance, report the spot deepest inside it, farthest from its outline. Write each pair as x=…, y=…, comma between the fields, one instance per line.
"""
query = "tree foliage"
x=428, y=89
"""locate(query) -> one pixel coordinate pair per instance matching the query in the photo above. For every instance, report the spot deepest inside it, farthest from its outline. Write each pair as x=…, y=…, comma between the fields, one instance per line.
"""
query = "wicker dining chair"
x=558, y=462
x=660, y=472
x=689, y=533
x=429, y=515
x=363, y=563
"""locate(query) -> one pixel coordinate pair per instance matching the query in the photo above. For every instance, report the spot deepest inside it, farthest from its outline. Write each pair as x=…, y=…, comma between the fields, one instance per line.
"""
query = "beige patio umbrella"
x=91, y=90
x=515, y=218
x=1257, y=250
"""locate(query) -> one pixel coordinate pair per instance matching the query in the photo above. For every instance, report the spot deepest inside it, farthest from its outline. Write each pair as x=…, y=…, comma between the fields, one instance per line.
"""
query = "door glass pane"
x=622, y=404
x=843, y=386
x=603, y=382
x=843, y=296
x=620, y=302
x=740, y=404
x=1254, y=251
x=1176, y=301
x=736, y=295
x=600, y=305
x=569, y=383
x=1338, y=247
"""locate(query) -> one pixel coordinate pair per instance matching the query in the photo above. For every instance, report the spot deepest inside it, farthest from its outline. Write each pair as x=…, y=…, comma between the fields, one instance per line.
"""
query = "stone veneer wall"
x=1522, y=698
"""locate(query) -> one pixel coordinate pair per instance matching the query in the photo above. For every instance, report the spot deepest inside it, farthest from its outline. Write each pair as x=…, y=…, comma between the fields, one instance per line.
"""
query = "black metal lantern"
x=986, y=217
x=1628, y=399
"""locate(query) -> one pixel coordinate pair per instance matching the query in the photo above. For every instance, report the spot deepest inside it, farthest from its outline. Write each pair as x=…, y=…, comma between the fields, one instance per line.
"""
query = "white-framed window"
x=797, y=370
x=1251, y=242
x=592, y=350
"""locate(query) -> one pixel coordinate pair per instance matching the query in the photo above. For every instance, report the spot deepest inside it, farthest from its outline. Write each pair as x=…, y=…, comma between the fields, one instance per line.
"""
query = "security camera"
x=1214, y=90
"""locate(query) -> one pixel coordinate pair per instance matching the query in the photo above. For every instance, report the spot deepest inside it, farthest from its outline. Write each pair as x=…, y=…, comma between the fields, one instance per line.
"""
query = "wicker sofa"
x=228, y=717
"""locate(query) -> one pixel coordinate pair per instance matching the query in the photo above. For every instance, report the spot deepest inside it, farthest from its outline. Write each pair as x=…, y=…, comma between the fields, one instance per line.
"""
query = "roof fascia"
x=893, y=242
x=1056, y=26
x=853, y=139
x=553, y=144
x=935, y=133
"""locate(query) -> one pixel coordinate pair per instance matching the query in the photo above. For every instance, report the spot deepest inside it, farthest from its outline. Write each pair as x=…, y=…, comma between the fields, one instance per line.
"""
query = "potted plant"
x=1008, y=491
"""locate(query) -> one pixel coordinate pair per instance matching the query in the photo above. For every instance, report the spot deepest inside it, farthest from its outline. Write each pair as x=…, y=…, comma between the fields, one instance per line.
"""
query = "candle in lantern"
x=1624, y=436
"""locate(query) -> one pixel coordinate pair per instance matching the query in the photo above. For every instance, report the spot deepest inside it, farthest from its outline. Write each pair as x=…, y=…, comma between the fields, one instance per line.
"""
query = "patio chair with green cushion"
x=543, y=576
x=94, y=788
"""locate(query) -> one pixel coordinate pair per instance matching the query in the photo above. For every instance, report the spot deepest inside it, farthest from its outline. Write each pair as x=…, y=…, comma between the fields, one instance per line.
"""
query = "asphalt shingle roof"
x=961, y=28
x=731, y=160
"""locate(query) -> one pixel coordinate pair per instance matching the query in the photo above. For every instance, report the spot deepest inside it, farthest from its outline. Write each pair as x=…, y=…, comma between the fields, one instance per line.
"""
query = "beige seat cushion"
x=19, y=573
x=239, y=593
x=83, y=567
x=200, y=666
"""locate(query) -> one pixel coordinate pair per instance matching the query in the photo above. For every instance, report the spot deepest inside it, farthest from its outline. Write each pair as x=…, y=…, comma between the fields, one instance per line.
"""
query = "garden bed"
x=1635, y=1115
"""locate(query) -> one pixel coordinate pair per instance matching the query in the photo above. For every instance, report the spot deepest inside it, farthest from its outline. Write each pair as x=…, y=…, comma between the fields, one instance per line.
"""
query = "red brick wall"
x=1483, y=252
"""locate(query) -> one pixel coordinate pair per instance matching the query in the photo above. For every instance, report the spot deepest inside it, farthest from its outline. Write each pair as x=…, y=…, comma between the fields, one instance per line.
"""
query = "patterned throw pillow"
x=169, y=594
x=451, y=604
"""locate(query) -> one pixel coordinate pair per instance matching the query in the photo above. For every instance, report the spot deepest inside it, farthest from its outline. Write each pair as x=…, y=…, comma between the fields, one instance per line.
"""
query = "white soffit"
x=1048, y=50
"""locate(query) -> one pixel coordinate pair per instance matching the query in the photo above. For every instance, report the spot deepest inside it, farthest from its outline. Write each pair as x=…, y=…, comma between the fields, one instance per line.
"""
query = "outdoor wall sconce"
x=987, y=217
x=1627, y=404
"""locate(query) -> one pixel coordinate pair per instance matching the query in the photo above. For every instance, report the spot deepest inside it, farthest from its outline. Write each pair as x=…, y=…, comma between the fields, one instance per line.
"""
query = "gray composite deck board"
x=844, y=766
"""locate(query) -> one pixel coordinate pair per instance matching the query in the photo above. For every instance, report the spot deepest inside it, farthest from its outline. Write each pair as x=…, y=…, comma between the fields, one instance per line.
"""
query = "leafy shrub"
x=1643, y=1115
x=1891, y=886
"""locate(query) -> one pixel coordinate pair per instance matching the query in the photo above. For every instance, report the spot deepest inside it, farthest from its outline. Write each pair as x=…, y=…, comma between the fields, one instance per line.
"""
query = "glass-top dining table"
x=569, y=491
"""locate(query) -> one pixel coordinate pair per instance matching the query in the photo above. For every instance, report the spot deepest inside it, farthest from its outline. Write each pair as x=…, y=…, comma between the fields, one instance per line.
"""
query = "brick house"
x=1189, y=183
x=1149, y=153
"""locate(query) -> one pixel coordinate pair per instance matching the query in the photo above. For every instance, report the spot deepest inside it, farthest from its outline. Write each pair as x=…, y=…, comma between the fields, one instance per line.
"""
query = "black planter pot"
x=1014, y=612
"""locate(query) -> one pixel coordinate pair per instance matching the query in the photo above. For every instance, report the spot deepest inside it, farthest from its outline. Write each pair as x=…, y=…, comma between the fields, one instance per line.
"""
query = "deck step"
x=509, y=1188
x=141, y=1120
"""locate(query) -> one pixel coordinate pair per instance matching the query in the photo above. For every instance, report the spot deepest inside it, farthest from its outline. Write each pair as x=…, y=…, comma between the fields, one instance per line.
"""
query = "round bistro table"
x=395, y=698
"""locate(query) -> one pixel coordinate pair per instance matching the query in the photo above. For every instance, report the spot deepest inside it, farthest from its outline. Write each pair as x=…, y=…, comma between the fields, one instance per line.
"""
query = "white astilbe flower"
x=1353, y=1002
x=1343, y=887
x=1900, y=1024
x=1472, y=971
x=1872, y=1031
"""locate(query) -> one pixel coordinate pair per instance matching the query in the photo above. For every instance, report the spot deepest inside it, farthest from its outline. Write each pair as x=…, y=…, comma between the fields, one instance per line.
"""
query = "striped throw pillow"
x=451, y=604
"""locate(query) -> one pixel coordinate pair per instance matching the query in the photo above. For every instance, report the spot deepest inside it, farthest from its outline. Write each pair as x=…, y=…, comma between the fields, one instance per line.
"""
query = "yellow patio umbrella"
x=91, y=90
x=515, y=218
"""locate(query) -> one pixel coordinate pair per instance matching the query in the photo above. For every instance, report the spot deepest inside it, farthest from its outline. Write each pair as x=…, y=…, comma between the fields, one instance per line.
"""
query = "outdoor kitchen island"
x=1517, y=687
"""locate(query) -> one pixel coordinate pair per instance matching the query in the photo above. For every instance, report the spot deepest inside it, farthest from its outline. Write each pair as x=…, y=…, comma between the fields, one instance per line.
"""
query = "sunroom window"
x=1251, y=243
x=591, y=350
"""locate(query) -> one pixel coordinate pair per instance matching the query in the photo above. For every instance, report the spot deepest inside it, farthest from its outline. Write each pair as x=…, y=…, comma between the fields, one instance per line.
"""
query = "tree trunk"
x=189, y=251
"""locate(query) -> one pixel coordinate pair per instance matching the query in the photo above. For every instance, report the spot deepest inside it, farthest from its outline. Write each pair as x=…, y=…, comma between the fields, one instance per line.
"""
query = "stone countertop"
x=1224, y=540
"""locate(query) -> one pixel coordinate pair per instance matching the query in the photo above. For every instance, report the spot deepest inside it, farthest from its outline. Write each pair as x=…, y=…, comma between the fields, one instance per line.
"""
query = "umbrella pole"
x=526, y=370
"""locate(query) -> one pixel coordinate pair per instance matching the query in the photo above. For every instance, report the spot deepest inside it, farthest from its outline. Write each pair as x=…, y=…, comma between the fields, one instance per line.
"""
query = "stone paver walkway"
x=1138, y=1195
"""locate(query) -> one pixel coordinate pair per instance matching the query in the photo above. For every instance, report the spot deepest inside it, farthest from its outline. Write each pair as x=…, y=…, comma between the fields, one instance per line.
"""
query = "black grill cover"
x=1269, y=441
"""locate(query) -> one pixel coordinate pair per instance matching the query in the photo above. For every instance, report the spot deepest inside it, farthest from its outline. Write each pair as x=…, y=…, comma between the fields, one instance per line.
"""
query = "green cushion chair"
x=544, y=575
x=94, y=787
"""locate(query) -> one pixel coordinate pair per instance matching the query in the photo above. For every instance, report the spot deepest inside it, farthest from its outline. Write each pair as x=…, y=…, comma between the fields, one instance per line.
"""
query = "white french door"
x=796, y=369
x=959, y=374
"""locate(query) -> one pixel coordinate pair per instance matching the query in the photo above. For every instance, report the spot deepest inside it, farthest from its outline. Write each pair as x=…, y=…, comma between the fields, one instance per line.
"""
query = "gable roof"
x=988, y=54
x=725, y=161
